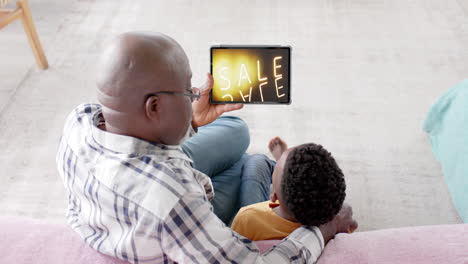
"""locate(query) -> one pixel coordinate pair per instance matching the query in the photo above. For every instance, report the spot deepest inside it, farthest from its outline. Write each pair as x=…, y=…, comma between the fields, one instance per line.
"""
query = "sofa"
x=27, y=241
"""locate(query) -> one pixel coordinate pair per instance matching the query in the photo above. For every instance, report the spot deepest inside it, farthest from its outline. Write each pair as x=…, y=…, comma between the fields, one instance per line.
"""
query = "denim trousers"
x=239, y=179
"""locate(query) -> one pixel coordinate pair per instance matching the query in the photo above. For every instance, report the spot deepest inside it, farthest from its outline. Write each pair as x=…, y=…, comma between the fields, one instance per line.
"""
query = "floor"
x=364, y=74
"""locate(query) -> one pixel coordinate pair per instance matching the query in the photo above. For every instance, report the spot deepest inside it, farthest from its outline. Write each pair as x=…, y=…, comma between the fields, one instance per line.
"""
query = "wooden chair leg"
x=33, y=38
x=8, y=16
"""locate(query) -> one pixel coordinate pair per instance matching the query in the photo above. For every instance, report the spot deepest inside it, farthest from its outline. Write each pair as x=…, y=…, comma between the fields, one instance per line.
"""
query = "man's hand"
x=204, y=112
x=344, y=220
x=342, y=223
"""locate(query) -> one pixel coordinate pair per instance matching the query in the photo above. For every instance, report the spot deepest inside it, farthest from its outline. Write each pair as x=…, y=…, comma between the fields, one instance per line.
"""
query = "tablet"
x=251, y=74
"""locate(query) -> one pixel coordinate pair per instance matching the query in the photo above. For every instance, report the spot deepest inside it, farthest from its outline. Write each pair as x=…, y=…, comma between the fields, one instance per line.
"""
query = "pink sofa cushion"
x=412, y=245
x=24, y=241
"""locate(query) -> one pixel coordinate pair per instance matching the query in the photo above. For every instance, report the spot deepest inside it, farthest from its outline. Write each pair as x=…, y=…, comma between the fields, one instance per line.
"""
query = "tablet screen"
x=246, y=74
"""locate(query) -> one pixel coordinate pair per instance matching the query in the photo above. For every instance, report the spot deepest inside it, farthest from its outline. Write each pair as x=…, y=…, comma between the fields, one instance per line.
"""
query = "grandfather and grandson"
x=140, y=175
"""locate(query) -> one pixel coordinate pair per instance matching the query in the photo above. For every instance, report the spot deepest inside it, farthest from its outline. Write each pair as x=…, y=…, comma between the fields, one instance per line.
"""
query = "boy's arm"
x=242, y=224
x=237, y=223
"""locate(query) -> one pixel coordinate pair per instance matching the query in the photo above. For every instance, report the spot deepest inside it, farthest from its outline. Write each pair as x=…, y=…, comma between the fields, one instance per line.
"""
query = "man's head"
x=135, y=65
x=309, y=184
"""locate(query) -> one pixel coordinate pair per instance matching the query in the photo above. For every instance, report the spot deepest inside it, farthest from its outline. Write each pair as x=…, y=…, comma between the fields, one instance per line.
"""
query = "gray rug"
x=364, y=74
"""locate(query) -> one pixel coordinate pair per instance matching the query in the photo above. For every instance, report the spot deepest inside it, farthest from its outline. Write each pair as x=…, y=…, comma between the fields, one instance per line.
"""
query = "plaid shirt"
x=143, y=202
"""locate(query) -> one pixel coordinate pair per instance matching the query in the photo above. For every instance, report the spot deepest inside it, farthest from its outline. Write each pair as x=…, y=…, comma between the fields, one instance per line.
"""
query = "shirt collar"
x=132, y=145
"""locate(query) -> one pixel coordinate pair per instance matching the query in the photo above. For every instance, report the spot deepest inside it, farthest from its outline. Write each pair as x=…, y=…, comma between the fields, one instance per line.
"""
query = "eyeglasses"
x=193, y=96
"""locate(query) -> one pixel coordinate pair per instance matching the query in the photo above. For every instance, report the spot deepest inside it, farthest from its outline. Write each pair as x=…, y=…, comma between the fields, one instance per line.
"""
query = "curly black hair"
x=313, y=186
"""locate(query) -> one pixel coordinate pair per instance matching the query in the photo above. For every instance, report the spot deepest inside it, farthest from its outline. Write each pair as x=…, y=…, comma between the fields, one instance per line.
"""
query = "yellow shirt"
x=259, y=222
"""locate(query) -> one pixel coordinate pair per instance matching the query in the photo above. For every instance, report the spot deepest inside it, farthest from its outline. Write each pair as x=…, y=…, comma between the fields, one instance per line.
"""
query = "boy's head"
x=309, y=184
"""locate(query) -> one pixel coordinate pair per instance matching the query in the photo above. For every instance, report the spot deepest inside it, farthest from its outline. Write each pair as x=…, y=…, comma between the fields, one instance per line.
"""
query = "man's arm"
x=192, y=233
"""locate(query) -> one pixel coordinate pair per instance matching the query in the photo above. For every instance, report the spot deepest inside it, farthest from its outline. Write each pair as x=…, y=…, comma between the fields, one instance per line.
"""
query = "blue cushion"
x=447, y=126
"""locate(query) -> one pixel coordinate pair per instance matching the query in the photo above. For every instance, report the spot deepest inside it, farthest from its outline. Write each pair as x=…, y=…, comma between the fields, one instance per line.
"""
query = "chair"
x=23, y=12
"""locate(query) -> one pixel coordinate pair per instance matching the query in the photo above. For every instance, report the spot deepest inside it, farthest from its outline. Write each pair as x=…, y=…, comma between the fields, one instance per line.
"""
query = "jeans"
x=239, y=179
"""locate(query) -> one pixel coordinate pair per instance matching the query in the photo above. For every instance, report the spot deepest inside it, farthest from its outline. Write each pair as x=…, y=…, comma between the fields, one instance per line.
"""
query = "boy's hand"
x=342, y=223
x=204, y=112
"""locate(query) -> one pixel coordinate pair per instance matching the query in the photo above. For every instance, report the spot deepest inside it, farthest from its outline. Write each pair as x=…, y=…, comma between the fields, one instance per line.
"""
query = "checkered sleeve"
x=192, y=233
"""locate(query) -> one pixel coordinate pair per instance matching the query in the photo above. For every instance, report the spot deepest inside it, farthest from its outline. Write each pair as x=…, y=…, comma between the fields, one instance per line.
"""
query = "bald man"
x=140, y=176
x=144, y=84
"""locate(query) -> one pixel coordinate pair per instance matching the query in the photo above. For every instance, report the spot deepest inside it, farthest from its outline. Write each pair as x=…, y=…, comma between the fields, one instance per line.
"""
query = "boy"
x=308, y=189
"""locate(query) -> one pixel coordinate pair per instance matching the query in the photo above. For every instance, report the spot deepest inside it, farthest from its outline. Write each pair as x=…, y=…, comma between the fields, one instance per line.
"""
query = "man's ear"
x=273, y=197
x=152, y=107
